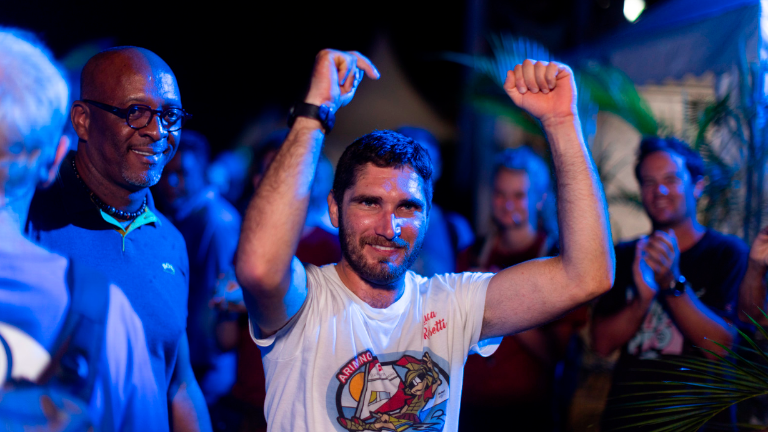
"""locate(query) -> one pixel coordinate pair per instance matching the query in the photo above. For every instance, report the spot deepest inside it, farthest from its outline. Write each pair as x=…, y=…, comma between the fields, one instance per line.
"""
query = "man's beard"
x=141, y=179
x=383, y=273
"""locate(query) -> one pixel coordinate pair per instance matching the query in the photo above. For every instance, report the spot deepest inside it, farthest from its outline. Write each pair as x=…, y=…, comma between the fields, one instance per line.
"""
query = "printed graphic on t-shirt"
x=657, y=335
x=391, y=392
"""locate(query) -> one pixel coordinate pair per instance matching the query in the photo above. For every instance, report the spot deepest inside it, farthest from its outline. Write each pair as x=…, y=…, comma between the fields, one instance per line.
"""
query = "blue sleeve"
x=732, y=261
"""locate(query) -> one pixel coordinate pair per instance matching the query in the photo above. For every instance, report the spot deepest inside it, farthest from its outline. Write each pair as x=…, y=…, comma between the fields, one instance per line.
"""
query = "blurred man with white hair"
x=36, y=286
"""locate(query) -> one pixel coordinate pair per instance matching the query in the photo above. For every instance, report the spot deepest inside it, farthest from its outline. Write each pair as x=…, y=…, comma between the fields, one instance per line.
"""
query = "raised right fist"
x=544, y=89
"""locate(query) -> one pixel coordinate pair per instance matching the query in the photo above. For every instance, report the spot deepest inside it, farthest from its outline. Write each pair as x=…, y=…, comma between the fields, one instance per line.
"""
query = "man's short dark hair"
x=195, y=143
x=693, y=161
x=384, y=149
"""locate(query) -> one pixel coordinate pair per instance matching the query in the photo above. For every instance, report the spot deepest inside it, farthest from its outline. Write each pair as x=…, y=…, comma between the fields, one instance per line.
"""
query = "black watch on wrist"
x=676, y=288
x=320, y=113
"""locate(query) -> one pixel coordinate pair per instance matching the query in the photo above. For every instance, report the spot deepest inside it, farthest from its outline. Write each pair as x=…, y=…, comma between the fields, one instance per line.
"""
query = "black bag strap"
x=8, y=361
x=78, y=349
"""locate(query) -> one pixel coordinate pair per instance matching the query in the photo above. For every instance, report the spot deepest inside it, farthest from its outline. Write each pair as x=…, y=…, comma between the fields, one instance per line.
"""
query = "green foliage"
x=486, y=92
x=492, y=105
x=731, y=139
x=722, y=200
x=508, y=51
x=614, y=92
x=605, y=87
x=600, y=88
x=733, y=195
x=698, y=390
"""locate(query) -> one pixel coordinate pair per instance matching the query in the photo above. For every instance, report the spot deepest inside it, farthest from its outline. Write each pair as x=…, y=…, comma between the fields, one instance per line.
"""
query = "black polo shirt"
x=147, y=260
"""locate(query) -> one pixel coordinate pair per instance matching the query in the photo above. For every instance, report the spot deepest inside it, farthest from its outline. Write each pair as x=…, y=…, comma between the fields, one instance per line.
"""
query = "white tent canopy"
x=684, y=37
x=678, y=40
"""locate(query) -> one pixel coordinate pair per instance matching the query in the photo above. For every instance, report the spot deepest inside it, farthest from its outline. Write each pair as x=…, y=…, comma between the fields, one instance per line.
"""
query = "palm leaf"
x=604, y=87
x=501, y=107
x=507, y=51
x=614, y=92
x=700, y=388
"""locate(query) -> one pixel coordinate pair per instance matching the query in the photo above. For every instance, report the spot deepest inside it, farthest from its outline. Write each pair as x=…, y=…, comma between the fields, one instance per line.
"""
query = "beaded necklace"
x=108, y=209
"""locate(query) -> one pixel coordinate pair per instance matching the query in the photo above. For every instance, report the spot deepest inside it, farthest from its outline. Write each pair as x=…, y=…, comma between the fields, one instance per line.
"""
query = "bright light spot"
x=633, y=9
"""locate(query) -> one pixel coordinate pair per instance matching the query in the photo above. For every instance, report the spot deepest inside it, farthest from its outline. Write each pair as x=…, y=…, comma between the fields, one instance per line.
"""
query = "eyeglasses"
x=139, y=116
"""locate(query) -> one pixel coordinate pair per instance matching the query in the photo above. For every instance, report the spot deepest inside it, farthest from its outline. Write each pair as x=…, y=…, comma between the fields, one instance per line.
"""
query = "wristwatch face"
x=677, y=289
x=323, y=113
x=675, y=292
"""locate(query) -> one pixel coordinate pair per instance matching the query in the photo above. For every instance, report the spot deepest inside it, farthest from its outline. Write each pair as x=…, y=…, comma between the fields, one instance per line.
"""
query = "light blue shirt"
x=34, y=298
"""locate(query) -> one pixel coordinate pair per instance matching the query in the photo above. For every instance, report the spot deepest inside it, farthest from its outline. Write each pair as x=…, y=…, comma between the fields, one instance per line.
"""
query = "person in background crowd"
x=366, y=344
x=448, y=232
x=228, y=173
x=263, y=155
x=518, y=380
x=34, y=294
x=319, y=245
x=677, y=287
x=752, y=303
x=752, y=294
x=211, y=227
x=100, y=210
x=232, y=169
x=523, y=225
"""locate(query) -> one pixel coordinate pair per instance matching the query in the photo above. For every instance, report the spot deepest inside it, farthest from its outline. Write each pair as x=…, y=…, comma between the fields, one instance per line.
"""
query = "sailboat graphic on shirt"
x=405, y=394
x=379, y=383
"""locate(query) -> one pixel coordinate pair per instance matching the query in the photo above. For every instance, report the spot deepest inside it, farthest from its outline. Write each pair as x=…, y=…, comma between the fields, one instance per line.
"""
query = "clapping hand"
x=657, y=261
x=642, y=273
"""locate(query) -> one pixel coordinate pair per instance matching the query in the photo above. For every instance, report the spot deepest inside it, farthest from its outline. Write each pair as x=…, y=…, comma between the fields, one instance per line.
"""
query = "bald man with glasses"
x=100, y=210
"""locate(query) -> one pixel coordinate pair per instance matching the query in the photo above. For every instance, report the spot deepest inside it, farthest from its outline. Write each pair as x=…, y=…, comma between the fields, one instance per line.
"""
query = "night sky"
x=232, y=61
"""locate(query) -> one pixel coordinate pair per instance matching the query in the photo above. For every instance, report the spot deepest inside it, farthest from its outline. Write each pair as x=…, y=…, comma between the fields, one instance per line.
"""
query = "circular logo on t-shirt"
x=395, y=392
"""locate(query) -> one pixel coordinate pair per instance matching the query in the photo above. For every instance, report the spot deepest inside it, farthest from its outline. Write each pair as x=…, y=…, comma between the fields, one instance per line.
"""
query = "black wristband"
x=320, y=113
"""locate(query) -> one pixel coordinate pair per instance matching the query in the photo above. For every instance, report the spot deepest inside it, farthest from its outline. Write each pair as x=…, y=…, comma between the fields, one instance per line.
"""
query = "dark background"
x=232, y=61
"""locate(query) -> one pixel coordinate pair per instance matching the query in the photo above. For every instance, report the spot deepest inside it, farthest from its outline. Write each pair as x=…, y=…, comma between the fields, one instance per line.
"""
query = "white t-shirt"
x=340, y=363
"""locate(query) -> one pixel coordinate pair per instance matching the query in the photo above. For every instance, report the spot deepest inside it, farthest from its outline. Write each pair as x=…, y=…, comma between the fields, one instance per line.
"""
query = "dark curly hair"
x=385, y=149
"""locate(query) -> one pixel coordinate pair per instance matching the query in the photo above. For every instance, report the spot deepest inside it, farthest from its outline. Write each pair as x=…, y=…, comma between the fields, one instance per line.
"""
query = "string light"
x=633, y=9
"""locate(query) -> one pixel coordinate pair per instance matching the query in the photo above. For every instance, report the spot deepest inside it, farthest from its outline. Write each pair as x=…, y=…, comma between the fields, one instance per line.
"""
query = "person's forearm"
x=188, y=410
x=275, y=217
x=587, y=251
x=698, y=323
x=610, y=333
x=752, y=294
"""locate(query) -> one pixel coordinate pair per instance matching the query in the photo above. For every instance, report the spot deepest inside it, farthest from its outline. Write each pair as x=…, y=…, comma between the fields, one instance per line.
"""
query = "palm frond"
x=614, y=92
x=500, y=107
x=698, y=389
x=600, y=87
